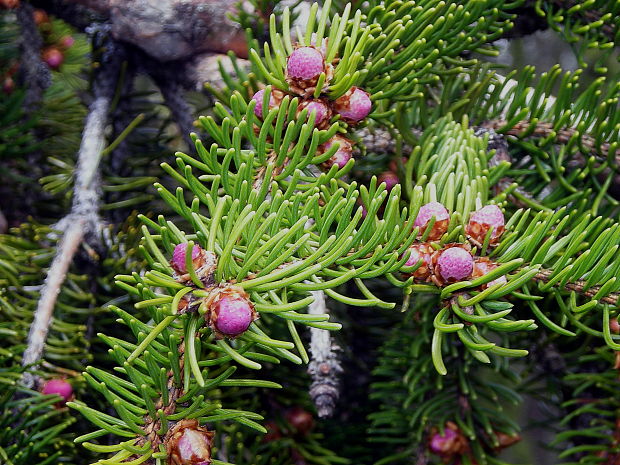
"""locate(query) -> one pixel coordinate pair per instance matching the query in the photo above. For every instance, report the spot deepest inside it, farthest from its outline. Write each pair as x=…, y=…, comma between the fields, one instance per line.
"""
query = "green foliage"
x=33, y=431
x=415, y=399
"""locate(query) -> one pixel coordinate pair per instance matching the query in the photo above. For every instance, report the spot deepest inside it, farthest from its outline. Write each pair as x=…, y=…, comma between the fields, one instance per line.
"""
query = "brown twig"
x=562, y=135
x=579, y=286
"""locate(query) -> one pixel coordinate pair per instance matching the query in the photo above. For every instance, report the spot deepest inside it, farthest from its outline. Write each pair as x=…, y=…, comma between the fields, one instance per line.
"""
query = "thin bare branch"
x=324, y=368
x=84, y=216
x=49, y=293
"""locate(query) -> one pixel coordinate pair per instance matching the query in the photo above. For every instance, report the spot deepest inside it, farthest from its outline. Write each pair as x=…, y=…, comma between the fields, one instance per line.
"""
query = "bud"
x=8, y=86
x=53, y=57
x=275, y=97
x=230, y=311
x=389, y=178
x=483, y=266
x=353, y=106
x=481, y=221
x=421, y=251
x=40, y=17
x=442, y=219
x=303, y=68
x=341, y=157
x=453, y=263
x=322, y=111
x=9, y=4
x=178, y=257
x=189, y=444
x=60, y=387
x=450, y=443
x=67, y=42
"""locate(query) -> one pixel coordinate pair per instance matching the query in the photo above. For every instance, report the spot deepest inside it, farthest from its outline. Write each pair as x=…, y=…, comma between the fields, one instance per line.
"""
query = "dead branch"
x=324, y=368
x=83, y=218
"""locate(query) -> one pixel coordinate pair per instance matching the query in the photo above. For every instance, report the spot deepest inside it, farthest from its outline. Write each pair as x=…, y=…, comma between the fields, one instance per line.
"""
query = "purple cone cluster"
x=304, y=68
x=229, y=309
x=452, y=262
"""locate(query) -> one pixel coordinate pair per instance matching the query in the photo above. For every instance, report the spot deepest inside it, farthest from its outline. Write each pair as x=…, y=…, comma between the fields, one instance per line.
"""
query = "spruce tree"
x=361, y=240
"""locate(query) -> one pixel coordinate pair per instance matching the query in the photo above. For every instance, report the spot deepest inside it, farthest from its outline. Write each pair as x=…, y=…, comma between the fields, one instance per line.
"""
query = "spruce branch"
x=580, y=287
x=545, y=129
x=324, y=368
x=83, y=219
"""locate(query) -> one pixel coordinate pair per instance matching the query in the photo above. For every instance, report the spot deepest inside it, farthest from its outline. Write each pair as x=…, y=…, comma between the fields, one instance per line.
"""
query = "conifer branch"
x=83, y=218
x=590, y=16
x=324, y=367
x=563, y=135
x=580, y=287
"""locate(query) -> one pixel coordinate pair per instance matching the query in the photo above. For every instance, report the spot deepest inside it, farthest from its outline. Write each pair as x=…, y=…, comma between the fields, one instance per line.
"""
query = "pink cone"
x=305, y=63
x=234, y=315
x=321, y=110
x=442, y=443
x=484, y=219
x=342, y=155
x=442, y=219
x=353, y=106
x=389, y=178
x=454, y=264
x=59, y=387
x=258, y=97
x=178, y=256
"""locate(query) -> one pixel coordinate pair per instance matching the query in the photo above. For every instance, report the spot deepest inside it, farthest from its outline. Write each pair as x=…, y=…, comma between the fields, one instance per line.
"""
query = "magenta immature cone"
x=417, y=252
x=230, y=311
x=321, y=110
x=189, y=444
x=481, y=221
x=454, y=264
x=353, y=106
x=305, y=63
x=178, y=257
x=234, y=316
x=341, y=157
x=59, y=387
x=389, y=178
x=482, y=267
x=442, y=219
x=258, y=97
x=441, y=443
